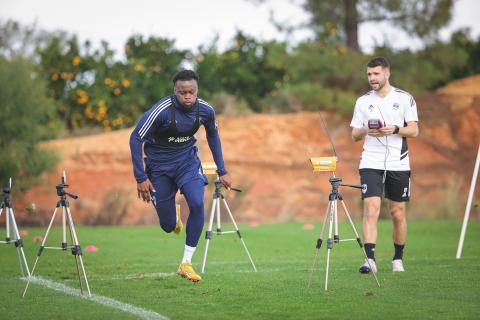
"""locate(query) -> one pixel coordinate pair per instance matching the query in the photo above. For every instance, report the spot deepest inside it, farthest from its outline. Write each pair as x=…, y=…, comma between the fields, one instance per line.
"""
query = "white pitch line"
x=108, y=302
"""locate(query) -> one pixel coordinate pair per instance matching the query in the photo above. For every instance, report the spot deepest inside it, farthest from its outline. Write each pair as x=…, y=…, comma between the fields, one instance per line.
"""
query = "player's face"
x=186, y=92
x=378, y=77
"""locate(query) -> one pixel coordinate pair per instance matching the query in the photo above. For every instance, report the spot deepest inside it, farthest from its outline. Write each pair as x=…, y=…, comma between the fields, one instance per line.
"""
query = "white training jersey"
x=396, y=108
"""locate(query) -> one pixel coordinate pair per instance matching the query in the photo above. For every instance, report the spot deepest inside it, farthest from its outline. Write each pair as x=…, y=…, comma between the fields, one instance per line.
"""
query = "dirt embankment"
x=268, y=157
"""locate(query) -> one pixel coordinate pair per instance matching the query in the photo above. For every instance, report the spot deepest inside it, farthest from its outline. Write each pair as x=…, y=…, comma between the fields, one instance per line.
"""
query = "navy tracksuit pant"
x=188, y=177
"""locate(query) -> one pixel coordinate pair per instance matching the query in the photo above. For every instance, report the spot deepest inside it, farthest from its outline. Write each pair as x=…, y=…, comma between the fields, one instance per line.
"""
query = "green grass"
x=134, y=265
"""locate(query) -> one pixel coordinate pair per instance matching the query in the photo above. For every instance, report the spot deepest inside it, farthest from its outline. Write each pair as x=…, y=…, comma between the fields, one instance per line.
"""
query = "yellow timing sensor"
x=320, y=164
x=209, y=168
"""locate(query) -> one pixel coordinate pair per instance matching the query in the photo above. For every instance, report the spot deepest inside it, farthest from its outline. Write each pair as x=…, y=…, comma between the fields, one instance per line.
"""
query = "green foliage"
x=151, y=65
x=244, y=70
x=431, y=67
x=60, y=63
x=26, y=115
x=92, y=89
x=315, y=97
x=326, y=78
x=461, y=40
x=208, y=63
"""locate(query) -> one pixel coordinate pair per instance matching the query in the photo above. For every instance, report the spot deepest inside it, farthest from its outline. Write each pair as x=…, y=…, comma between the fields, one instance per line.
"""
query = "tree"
x=92, y=89
x=61, y=67
x=16, y=39
x=244, y=70
x=153, y=62
x=27, y=116
x=420, y=18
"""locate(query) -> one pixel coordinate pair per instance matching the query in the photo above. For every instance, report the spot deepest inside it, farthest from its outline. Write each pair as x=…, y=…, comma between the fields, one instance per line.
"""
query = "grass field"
x=132, y=276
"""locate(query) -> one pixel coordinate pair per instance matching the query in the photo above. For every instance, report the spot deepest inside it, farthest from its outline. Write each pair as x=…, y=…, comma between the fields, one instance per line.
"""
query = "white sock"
x=188, y=254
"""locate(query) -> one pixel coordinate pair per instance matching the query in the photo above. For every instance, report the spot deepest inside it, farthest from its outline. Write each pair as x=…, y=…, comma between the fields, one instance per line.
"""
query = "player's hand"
x=144, y=188
x=226, y=181
x=377, y=133
x=387, y=130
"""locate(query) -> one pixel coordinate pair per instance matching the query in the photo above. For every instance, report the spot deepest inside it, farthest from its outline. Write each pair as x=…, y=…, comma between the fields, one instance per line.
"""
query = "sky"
x=192, y=23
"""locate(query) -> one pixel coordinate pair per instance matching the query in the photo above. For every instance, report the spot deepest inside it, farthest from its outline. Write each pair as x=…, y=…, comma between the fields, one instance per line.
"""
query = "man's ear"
x=387, y=73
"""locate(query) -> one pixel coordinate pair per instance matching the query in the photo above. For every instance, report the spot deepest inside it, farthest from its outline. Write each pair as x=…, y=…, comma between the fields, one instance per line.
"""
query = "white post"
x=469, y=204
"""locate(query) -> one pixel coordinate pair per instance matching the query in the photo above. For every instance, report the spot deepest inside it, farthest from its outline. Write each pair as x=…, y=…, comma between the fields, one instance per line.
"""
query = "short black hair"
x=185, y=75
x=378, y=61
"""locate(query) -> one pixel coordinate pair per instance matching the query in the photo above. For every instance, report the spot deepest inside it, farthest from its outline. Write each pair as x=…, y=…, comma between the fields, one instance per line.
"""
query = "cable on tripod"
x=328, y=134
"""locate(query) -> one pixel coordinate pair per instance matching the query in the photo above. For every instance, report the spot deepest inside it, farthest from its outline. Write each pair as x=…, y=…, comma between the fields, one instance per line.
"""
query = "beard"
x=380, y=85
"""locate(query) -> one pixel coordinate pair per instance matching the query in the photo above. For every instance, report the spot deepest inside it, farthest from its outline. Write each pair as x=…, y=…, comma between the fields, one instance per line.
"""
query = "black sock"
x=398, y=251
x=370, y=250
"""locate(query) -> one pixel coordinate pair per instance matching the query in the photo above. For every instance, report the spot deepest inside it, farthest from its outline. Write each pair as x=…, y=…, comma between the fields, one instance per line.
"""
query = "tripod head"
x=60, y=189
x=210, y=168
x=7, y=191
x=335, y=182
x=219, y=185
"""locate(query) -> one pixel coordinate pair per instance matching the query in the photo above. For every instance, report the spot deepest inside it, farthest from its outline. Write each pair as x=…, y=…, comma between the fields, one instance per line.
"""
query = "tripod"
x=217, y=195
x=7, y=205
x=75, y=247
x=331, y=214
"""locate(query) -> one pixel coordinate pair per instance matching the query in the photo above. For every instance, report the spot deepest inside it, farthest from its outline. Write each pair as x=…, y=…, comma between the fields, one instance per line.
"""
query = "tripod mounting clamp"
x=62, y=193
x=7, y=190
x=210, y=168
x=335, y=182
x=219, y=185
x=6, y=195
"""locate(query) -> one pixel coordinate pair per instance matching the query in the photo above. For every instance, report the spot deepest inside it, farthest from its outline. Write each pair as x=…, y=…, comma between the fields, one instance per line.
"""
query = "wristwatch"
x=396, y=130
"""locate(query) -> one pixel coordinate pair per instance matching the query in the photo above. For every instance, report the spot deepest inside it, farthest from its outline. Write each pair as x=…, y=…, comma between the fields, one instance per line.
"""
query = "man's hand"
x=226, y=181
x=387, y=130
x=144, y=188
x=375, y=133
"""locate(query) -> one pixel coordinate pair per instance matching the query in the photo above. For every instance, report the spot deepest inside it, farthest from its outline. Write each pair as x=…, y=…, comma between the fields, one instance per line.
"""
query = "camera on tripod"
x=375, y=124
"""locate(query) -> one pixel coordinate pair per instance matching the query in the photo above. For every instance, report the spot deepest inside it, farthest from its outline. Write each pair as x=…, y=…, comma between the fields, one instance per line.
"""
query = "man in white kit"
x=385, y=117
